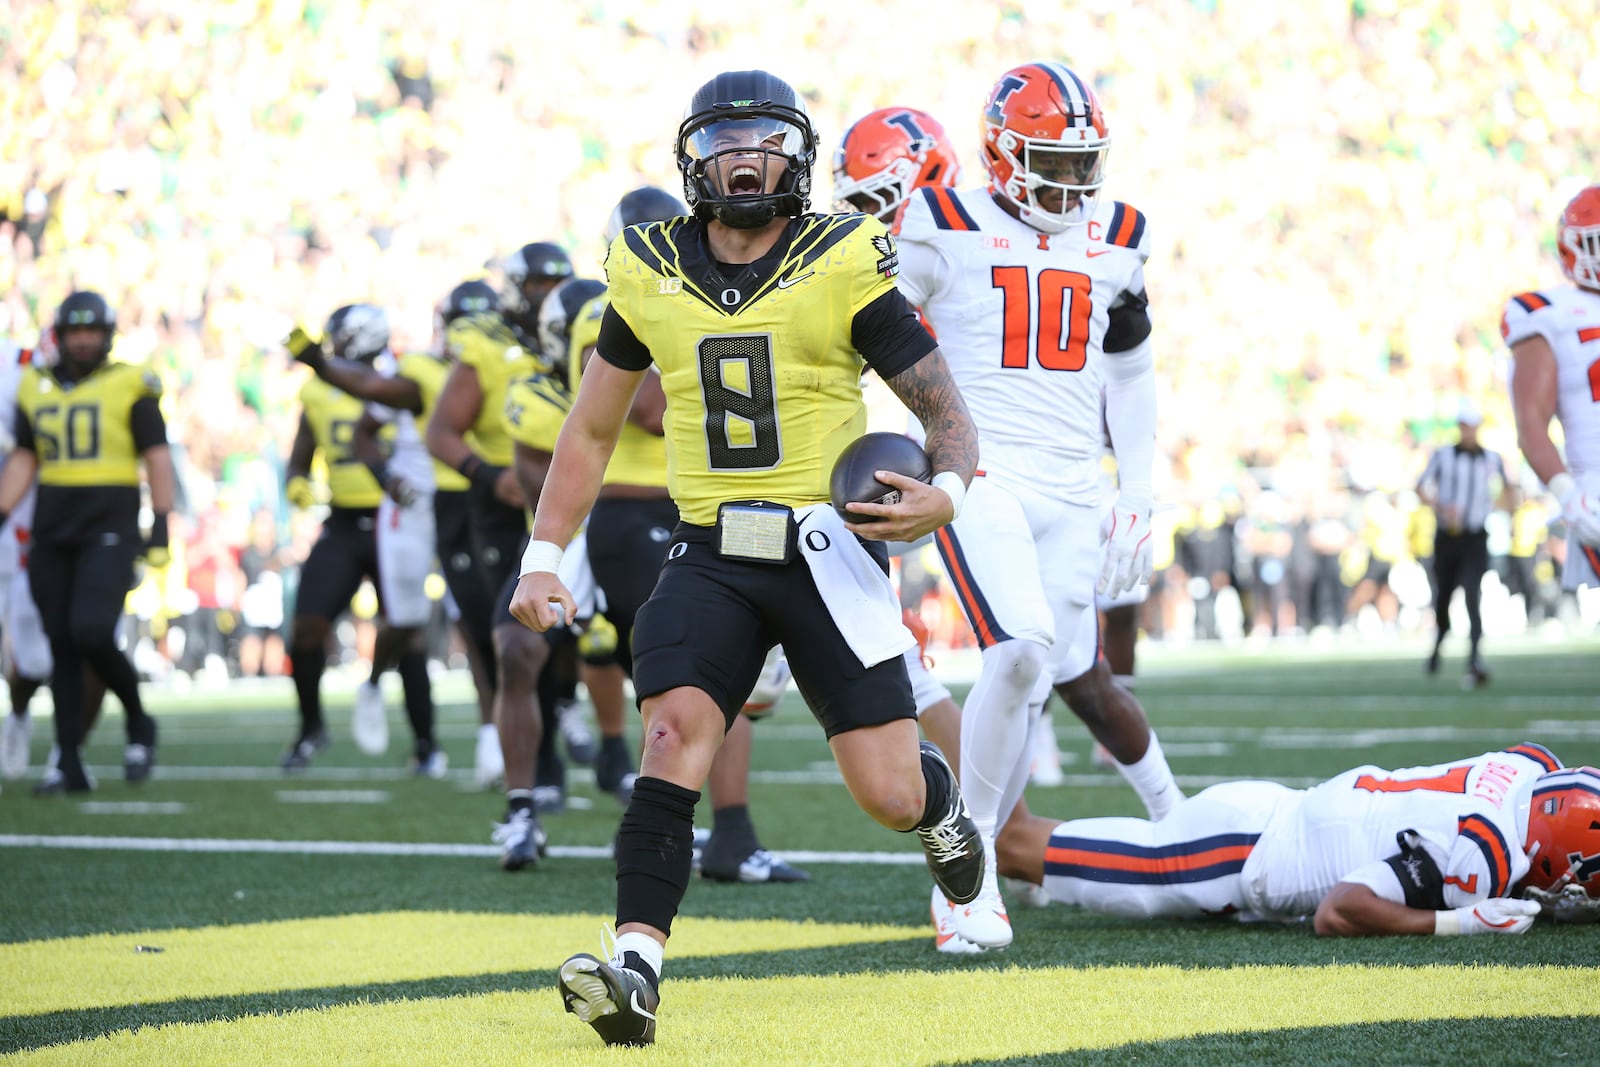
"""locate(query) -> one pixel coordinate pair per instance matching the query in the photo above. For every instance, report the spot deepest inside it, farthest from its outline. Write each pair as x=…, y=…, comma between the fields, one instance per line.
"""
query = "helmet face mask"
x=556, y=315
x=1563, y=841
x=1578, y=239
x=745, y=151
x=1045, y=145
x=887, y=154
x=83, y=330
x=531, y=272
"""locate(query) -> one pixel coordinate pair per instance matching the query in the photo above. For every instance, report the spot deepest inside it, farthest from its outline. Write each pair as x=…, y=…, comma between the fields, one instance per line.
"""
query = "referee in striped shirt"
x=1459, y=485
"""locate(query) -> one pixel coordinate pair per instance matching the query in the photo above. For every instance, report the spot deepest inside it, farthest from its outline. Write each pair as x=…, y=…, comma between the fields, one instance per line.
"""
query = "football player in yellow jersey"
x=466, y=432
x=758, y=317
x=404, y=536
x=626, y=543
x=347, y=549
x=83, y=426
x=452, y=515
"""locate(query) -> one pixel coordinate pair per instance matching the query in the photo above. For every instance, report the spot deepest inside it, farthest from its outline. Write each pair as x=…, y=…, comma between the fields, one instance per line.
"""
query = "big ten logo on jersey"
x=991, y=241
x=669, y=286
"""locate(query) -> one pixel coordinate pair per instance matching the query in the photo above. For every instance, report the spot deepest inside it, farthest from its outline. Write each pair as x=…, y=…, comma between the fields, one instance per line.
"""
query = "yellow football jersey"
x=763, y=387
x=486, y=344
x=82, y=430
x=429, y=374
x=333, y=416
x=641, y=456
x=535, y=408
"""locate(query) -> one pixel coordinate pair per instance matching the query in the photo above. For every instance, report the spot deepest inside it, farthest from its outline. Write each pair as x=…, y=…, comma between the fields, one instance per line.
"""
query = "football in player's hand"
x=854, y=479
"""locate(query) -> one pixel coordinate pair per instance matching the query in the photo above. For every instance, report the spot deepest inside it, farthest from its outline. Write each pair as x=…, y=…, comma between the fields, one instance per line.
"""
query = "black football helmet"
x=648, y=203
x=531, y=272
x=469, y=298
x=84, y=310
x=357, y=331
x=557, y=315
x=743, y=129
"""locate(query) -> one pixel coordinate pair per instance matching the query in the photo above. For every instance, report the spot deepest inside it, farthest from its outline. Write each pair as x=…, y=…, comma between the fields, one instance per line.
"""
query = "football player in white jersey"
x=1442, y=849
x=405, y=522
x=27, y=651
x=1035, y=287
x=1554, y=337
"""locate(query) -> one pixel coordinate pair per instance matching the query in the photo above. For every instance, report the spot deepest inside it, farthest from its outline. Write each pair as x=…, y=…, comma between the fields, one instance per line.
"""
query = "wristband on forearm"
x=541, y=557
x=954, y=488
x=480, y=472
x=158, y=530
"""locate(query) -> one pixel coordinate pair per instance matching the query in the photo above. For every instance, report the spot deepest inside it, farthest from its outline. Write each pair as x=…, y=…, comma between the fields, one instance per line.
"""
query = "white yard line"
x=382, y=848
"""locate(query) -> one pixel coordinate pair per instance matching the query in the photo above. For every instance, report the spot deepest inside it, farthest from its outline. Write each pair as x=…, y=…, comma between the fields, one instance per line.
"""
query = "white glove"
x=1579, y=510
x=1127, y=550
x=1497, y=915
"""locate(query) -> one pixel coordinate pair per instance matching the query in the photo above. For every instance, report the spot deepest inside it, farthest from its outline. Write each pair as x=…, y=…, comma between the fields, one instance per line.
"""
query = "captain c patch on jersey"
x=888, y=257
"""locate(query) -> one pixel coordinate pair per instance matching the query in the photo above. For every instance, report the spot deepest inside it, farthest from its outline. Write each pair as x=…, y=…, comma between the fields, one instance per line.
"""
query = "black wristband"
x=380, y=471
x=5, y=516
x=480, y=472
x=158, y=531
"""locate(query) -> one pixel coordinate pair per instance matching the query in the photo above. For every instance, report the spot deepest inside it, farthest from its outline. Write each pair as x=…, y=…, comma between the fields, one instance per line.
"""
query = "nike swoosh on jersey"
x=784, y=283
x=1102, y=252
x=633, y=1002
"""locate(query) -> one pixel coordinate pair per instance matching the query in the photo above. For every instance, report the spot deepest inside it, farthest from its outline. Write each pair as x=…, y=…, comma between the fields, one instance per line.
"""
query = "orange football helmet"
x=885, y=155
x=1564, y=829
x=1045, y=141
x=1578, y=239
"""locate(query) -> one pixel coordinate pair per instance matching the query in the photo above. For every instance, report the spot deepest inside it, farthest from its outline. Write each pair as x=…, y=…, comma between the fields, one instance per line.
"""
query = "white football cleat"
x=945, y=938
x=984, y=922
x=369, y=723
x=488, y=764
x=14, y=736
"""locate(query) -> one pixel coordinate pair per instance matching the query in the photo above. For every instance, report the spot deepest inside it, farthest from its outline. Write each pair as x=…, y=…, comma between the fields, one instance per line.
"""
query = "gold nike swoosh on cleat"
x=633, y=1002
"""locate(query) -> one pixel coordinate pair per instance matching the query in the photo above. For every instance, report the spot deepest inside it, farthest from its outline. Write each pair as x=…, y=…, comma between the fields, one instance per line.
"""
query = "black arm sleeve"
x=23, y=432
x=1419, y=875
x=1130, y=323
x=619, y=346
x=149, y=428
x=889, y=336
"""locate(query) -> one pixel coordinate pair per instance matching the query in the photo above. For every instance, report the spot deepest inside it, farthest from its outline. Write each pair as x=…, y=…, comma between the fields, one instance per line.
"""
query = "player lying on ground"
x=1445, y=849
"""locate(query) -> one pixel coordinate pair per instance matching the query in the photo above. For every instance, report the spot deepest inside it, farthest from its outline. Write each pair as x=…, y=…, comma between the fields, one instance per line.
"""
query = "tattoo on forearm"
x=928, y=390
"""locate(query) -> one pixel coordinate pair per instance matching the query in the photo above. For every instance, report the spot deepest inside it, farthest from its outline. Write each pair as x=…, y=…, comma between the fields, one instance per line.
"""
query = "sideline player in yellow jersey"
x=758, y=316
x=396, y=401
x=467, y=432
x=347, y=549
x=83, y=426
x=452, y=516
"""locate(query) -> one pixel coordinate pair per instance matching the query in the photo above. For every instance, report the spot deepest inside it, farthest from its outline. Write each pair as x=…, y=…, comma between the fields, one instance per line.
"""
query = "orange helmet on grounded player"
x=1564, y=830
x=886, y=154
x=1045, y=141
x=1578, y=239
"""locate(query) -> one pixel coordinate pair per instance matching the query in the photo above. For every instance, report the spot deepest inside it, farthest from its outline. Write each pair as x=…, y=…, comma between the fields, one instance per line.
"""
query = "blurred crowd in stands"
x=1343, y=193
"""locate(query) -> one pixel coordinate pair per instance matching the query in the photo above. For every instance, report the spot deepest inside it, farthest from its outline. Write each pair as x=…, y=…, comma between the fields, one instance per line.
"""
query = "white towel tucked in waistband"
x=576, y=575
x=857, y=593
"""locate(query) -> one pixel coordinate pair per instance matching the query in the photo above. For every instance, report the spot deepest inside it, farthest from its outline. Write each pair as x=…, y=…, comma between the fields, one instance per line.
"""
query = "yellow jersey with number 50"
x=83, y=430
x=762, y=378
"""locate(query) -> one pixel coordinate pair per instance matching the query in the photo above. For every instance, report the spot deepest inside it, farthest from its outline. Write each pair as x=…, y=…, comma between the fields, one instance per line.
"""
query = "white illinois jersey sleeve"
x=1436, y=837
x=410, y=459
x=1025, y=320
x=1568, y=318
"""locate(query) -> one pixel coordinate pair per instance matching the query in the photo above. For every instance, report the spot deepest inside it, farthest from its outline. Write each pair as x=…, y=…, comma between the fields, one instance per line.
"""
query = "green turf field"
x=223, y=913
